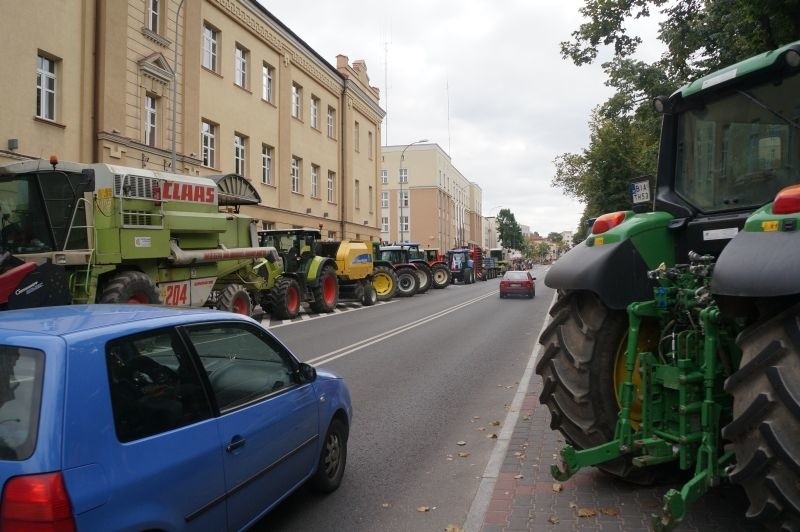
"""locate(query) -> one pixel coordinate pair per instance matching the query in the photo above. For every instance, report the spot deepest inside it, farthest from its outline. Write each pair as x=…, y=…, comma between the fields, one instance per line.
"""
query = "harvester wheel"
x=234, y=298
x=385, y=281
x=766, y=420
x=407, y=282
x=285, y=299
x=440, y=276
x=584, y=349
x=370, y=296
x=130, y=287
x=425, y=277
x=326, y=293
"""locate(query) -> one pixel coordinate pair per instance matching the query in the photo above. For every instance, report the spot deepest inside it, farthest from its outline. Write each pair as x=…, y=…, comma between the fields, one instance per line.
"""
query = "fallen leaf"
x=463, y=454
x=385, y=505
x=573, y=505
x=518, y=454
x=586, y=512
x=423, y=509
x=609, y=511
x=518, y=477
x=476, y=417
x=495, y=423
x=481, y=428
x=452, y=528
x=558, y=488
x=492, y=436
x=554, y=519
x=461, y=443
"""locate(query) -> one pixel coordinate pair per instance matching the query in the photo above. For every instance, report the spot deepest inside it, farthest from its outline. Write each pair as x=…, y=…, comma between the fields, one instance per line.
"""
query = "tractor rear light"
x=787, y=201
x=36, y=502
x=608, y=221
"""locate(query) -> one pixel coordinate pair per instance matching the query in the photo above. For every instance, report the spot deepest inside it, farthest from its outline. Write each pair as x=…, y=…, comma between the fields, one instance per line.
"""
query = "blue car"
x=128, y=417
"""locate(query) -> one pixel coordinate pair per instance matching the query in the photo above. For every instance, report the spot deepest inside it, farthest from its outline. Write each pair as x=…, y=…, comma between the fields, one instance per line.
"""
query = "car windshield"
x=516, y=276
x=21, y=373
x=740, y=150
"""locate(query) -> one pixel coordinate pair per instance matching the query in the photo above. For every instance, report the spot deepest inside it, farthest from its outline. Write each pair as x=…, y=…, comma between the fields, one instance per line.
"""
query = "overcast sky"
x=484, y=79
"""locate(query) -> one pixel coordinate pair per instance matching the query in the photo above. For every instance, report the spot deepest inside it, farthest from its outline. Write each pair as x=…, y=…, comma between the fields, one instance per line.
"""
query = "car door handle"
x=235, y=443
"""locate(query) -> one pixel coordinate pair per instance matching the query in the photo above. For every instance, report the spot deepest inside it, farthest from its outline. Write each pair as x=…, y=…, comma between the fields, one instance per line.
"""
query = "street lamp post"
x=175, y=91
x=400, y=178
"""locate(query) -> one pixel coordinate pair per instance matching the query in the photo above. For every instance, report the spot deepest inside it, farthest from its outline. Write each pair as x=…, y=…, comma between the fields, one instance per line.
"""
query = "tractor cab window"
x=740, y=150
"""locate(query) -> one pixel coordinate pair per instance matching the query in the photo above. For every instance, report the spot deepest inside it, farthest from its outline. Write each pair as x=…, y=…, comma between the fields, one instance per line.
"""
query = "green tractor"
x=306, y=276
x=674, y=342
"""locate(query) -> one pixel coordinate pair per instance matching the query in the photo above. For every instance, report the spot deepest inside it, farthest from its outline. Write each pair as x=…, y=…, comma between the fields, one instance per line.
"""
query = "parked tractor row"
x=98, y=233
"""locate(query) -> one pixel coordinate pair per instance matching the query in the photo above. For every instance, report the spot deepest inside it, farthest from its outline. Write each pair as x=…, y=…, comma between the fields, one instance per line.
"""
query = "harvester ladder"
x=79, y=279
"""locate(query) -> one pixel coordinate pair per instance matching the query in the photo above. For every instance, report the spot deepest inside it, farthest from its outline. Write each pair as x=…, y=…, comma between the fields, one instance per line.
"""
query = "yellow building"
x=217, y=86
x=425, y=199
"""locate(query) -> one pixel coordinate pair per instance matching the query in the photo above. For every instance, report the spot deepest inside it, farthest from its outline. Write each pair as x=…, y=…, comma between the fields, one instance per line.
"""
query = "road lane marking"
x=477, y=511
x=366, y=342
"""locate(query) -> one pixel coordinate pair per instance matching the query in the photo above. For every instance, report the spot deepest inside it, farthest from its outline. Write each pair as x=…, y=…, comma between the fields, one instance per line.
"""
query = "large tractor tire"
x=385, y=281
x=766, y=420
x=425, y=277
x=582, y=362
x=130, y=287
x=326, y=292
x=407, y=282
x=440, y=276
x=234, y=298
x=285, y=299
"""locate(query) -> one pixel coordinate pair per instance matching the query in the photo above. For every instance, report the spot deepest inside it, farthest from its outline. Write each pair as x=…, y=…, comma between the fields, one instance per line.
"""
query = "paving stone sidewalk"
x=524, y=497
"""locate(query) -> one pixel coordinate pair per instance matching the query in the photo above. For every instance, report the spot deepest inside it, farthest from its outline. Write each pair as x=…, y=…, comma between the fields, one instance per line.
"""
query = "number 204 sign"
x=193, y=292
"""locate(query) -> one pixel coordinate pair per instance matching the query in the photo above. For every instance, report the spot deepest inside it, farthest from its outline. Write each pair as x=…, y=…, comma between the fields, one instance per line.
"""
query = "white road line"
x=483, y=497
x=366, y=342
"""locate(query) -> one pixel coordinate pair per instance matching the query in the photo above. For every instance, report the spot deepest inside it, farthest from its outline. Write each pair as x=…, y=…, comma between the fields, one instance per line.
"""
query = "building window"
x=239, y=154
x=295, y=171
x=266, y=164
x=240, y=59
x=385, y=200
x=370, y=150
x=297, y=100
x=332, y=122
x=357, y=137
x=266, y=82
x=314, y=181
x=210, y=38
x=208, y=142
x=371, y=199
x=384, y=177
x=150, y=119
x=46, y=88
x=267, y=225
x=404, y=175
x=331, y=235
x=331, y=187
x=403, y=196
x=315, y=112
x=404, y=224
x=384, y=224
x=152, y=15
x=357, y=194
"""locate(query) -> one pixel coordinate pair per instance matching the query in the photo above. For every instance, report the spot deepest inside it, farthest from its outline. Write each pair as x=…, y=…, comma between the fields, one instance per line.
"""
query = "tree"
x=508, y=230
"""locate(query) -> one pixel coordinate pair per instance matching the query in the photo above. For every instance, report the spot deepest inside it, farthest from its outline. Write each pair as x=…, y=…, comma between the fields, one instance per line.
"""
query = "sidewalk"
x=525, y=496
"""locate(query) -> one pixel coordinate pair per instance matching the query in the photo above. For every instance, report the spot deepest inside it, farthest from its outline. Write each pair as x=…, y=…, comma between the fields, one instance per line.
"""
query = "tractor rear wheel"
x=766, y=420
x=285, y=299
x=234, y=298
x=407, y=282
x=440, y=276
x=584, y=349
x=130, y=287
x=385, y=281
x=425, y=277
x=326, y=292
x=469, y=277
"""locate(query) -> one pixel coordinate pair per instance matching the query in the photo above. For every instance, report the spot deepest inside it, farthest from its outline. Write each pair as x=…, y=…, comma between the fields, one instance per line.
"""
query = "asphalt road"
x=431, y=379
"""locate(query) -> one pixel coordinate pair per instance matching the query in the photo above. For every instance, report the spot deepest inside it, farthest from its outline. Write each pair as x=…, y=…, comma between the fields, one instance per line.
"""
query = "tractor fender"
x=315, y=267
x=384, y=263
x=758, y=264
x=614, y=265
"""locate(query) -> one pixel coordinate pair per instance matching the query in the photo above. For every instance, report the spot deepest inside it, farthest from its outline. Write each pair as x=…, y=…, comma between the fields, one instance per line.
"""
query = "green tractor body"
x=306, y=276
x=675, y=338
x=80, y=233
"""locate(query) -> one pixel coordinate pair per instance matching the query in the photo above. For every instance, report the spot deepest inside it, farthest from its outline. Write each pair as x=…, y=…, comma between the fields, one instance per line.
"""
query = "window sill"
x=155, y=37
x=214, y=72
x=49, y=122
x=245, y=89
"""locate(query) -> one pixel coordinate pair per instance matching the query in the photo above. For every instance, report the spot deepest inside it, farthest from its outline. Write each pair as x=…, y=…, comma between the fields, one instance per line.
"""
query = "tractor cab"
x=295, y=246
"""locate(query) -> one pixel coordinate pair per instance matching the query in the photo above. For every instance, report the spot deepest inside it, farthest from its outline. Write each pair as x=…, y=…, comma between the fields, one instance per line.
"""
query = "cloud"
x=483, y=79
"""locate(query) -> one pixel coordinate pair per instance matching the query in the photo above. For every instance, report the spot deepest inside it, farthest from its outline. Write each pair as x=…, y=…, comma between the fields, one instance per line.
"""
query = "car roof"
x=69, y=319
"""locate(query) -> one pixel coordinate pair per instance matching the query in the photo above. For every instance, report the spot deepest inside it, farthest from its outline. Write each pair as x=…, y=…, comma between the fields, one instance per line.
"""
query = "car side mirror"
x=307, y=372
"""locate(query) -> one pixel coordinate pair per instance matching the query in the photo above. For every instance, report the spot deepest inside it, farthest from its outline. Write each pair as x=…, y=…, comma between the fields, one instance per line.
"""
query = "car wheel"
x=332, y=459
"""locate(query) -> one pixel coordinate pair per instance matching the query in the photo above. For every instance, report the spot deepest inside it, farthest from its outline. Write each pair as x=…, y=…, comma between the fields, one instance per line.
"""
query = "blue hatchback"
x=127, y=417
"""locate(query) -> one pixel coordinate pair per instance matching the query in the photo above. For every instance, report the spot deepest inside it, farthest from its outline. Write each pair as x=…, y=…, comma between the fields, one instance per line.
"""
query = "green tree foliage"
x=508, y=230
x=700, y=36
